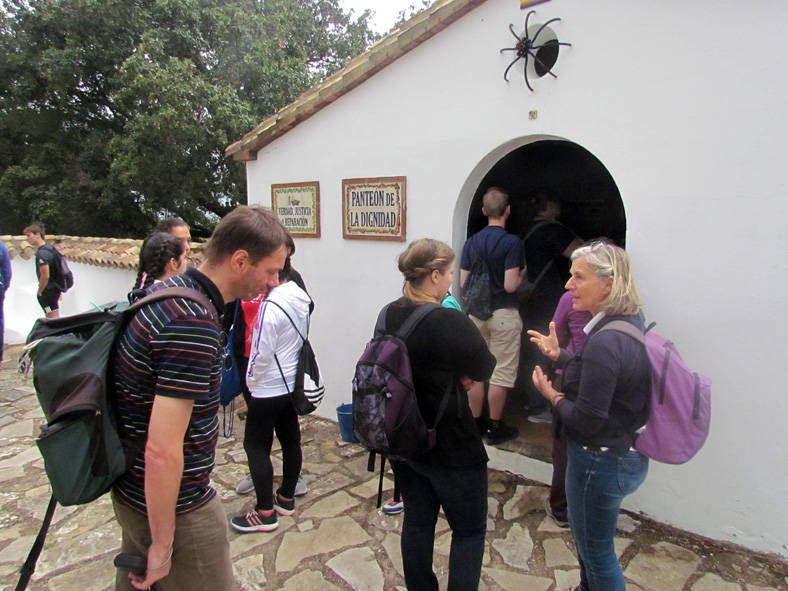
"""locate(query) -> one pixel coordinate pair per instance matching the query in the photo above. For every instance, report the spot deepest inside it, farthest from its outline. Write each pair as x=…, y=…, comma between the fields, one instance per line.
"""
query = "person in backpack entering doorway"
x=605, y=400
x=167, y=375
x=548, y=246
x=505, y=258
x=445, y=349
x=49, y=294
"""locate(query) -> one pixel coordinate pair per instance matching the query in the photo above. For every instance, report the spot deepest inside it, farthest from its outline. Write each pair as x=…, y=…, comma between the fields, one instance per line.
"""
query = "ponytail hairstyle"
x=158, y=249
x=606, y=260
x=419, y=260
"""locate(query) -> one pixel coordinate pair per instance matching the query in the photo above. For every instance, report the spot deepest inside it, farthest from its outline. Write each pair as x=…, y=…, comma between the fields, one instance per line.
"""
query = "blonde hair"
x=419, y=260
x=607, y=261
x=495, y=202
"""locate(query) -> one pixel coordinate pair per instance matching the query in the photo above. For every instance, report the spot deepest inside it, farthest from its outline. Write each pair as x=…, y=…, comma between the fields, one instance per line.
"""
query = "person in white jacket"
x=277, y=337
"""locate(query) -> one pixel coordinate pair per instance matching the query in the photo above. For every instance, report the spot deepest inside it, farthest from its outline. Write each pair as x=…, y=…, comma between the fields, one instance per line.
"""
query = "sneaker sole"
x=283, y=511
x=394, y=512
x=253, y=528
x=537, y=421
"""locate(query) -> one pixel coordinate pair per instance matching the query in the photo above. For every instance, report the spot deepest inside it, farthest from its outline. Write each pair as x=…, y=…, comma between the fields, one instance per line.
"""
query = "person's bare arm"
x=43, y=278
x=513, y=278
x=163, y=472
x=573, y=246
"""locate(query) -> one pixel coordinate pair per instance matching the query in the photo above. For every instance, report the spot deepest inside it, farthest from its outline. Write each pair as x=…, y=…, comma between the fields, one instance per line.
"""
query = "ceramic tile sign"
x=298, y=206
x=374, y=209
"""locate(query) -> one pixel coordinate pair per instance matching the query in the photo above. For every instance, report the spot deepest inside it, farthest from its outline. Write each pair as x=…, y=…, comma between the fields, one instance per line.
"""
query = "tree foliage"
x=116, y=112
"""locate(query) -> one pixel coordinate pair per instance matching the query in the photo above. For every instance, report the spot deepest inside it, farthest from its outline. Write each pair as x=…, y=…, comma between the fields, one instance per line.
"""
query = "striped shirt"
x=171, y=348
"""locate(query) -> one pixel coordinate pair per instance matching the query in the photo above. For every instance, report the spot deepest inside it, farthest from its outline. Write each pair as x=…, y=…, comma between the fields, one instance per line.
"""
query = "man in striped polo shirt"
x=167, y=376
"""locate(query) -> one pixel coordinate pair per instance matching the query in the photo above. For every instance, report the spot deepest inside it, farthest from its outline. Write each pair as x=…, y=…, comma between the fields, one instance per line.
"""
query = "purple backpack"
x=678, y=424
x=386, y=417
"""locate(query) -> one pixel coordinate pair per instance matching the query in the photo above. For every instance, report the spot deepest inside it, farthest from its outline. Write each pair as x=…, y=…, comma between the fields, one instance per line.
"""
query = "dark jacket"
x=608, y=388
x=442, y=349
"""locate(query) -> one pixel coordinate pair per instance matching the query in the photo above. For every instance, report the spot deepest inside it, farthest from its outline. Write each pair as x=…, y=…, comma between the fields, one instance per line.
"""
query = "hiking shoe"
x=282, y=506
x=549, y=510
x=300, y=489
x=246, y=486
x=500, y=432
x=254, y=521
x=540, y=418
x=394, y=508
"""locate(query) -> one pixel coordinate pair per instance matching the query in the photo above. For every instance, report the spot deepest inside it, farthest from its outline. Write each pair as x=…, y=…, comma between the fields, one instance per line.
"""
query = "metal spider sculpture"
x=526, y=46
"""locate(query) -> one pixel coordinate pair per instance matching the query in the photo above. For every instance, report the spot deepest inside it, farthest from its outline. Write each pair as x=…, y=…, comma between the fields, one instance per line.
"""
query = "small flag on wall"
x=529, y=3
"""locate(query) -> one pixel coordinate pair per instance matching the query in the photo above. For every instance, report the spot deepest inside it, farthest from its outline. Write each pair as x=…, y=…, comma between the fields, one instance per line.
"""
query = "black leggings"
x=267, y=415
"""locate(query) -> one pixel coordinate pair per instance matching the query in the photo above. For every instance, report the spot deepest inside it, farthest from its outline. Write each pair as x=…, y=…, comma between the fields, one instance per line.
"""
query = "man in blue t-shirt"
x=5, y=281
x=505, y=258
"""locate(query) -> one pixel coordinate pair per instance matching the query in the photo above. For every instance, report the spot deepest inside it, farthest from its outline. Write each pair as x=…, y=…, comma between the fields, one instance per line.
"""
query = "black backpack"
x=82, y=444
x=61, y=276
x=386, y=417
x=308, y=390
x=476, y=292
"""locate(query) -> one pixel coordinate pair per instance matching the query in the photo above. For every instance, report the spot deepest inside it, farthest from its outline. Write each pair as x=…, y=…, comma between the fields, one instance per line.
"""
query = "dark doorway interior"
x=591, y=203
x=591, y=207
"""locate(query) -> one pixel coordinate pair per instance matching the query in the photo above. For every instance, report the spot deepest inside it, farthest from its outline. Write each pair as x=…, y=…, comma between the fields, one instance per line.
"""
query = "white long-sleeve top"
x=274, y=333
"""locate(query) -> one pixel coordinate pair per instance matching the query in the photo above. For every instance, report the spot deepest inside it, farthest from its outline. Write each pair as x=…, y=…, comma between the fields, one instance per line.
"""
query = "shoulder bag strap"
x=29, y=567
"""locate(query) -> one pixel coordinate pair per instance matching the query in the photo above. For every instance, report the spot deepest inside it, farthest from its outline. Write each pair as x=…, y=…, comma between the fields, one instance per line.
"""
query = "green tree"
x=116, y=112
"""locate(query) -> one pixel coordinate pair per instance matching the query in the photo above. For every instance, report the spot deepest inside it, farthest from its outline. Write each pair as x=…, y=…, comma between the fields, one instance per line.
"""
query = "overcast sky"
x=386, y=11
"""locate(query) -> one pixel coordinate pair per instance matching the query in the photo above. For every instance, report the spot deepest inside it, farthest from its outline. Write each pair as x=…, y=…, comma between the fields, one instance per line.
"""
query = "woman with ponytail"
x=162, y=256
x=446, y=351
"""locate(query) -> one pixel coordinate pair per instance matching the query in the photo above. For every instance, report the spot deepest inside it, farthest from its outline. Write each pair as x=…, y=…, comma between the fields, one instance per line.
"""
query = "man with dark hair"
x=49, y=294
x=177, y=227
x=5, y=281
x=167, y=377
x=505, y=258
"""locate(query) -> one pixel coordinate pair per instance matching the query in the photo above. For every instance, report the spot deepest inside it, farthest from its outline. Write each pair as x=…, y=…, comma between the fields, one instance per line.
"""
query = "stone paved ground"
x=337, y=539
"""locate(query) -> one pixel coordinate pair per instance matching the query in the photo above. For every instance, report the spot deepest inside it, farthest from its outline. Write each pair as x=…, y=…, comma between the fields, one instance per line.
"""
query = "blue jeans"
x=462, y=492
x=596, y=483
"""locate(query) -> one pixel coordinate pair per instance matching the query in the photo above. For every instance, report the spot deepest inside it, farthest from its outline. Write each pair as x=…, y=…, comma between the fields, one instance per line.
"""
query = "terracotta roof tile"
x=396, y=44
x=112, y=253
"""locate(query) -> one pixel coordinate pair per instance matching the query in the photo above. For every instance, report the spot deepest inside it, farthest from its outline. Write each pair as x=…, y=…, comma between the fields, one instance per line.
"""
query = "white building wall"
x=684, y=103
x=91, y=284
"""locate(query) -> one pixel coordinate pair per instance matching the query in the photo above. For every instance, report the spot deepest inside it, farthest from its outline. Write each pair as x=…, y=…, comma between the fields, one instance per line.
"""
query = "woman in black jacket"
x=605, y=401
x=446, y=348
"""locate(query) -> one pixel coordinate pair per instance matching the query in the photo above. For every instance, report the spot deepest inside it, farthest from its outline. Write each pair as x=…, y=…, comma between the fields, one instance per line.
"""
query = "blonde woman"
x=604, y=400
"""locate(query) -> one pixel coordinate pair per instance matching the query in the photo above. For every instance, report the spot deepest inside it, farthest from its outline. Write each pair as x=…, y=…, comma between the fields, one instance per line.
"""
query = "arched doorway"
x=591, y=207
x=591, y=202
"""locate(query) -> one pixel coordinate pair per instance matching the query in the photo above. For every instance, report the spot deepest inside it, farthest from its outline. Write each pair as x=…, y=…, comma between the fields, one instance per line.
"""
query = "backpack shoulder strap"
x=175, y=292
x=415, y=319
x=303, y=338
x=380, y=324
x=626, y=328
x=534, y=228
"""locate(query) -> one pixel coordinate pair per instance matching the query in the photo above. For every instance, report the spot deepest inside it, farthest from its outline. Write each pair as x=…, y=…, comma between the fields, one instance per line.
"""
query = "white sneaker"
x=246, y=486
x=300, y=489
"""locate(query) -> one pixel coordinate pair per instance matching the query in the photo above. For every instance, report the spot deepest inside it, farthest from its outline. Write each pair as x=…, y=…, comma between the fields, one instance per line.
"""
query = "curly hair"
x=421, y=258
x=158, y=249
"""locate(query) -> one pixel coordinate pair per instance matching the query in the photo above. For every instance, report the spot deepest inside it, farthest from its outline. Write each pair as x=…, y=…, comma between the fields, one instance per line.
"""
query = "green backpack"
x=82, y=444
